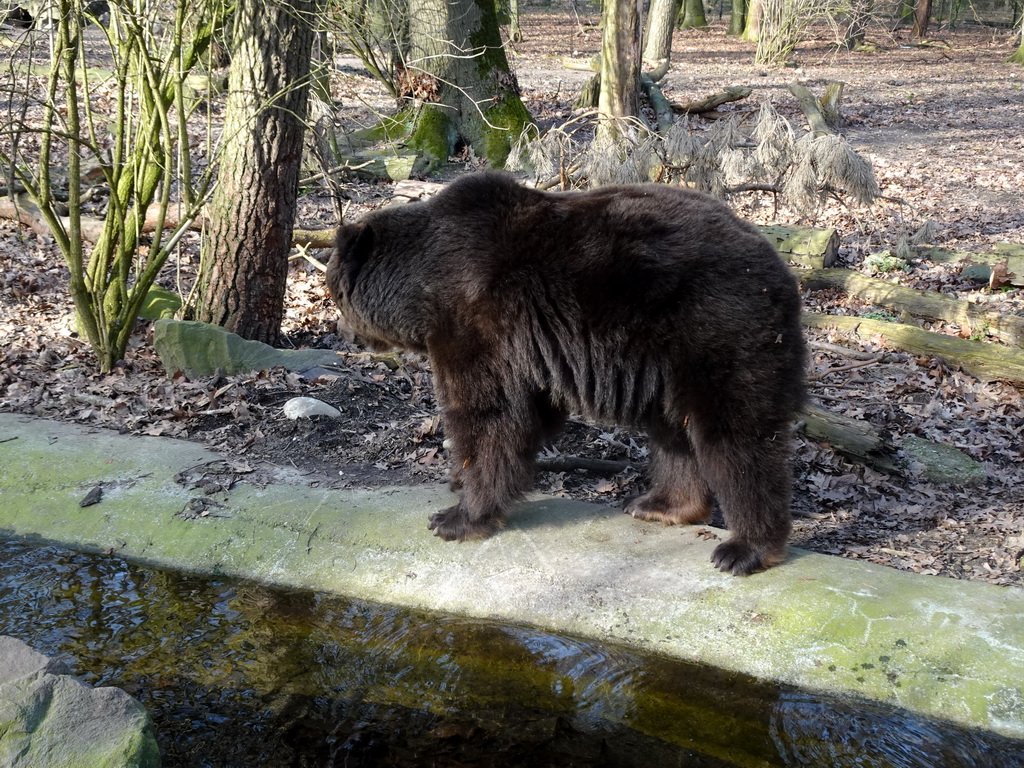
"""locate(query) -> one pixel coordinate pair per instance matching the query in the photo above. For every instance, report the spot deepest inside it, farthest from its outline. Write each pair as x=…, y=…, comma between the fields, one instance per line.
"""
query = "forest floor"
x=943, y=125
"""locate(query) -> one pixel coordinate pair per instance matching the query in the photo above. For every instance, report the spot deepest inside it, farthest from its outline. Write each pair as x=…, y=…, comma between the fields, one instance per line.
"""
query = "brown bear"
x=647, y=305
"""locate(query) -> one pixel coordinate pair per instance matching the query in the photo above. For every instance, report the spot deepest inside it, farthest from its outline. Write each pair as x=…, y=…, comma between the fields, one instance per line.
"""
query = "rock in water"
x=50, y=719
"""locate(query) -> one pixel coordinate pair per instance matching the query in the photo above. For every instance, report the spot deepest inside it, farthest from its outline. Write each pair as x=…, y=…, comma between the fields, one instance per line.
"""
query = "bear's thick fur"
x=646, y=305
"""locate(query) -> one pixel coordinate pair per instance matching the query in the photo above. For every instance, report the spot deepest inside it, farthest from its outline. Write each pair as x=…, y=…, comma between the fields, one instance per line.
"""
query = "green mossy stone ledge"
x=950, y=649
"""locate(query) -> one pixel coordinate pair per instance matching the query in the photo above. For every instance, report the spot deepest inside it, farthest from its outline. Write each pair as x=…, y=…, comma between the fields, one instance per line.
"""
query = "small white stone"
x=299, y=407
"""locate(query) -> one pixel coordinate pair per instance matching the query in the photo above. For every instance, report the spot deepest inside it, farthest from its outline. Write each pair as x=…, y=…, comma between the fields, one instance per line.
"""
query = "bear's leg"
x=750, y=475
x=494, y=449
x=678, y=493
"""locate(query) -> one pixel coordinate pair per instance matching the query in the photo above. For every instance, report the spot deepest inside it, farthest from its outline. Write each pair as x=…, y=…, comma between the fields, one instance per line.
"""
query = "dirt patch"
x=945, y=131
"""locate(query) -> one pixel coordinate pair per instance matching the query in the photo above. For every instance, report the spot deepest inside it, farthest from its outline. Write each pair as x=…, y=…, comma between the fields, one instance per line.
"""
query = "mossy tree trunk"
x=463, y=91
x=245, y=259
x=620, y=65
x=691, y=15
x=752, y=22
x=737, y=18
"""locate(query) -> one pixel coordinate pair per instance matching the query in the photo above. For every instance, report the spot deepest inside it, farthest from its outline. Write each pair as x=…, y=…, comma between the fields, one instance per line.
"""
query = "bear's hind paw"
x=657, y=508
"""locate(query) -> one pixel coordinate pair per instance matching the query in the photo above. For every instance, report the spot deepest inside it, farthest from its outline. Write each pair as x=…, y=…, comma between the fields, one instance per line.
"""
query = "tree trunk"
x=662, y=109
x=658, y=38
x=811, y=108
x=752, y=27
x=245, y=259
x=620, y=64
x=737, y=18
x=465, y=91
x=691, y=15
x=831, y=104
x=922, y=16
x=515, y=30
x=860, y=15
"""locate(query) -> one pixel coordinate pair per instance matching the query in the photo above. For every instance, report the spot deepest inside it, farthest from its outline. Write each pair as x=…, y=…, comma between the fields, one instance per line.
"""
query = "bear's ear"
x=353, y=245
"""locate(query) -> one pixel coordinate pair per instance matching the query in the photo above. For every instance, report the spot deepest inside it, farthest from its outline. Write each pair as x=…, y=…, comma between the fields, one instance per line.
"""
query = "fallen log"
x=853, y=438
x=1008, y=258
x=803, y=246
x=660, y=105
x=411, y=190
x=856, y=439
x=313, y=238
x=21, y=208
x=659, y=70
x=593, y=64
x=988, y=362
x=370, y=165
x=712, y=102
x=798, y=245
x=974, y=318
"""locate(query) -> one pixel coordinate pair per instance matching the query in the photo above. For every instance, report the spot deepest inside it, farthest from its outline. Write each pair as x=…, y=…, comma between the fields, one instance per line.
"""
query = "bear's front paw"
x=452, y=524
x=742, y=559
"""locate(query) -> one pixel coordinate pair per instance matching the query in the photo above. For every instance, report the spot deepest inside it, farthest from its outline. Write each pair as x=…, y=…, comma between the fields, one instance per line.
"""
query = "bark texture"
x=658, y=38
x=515, y=30
x=620, y=63
x=245, y=261
x=466, y=93
x=1007, y=263
x=922, y=16
x=737, y=17
x=691, y=15
x=811, y=108
x=804, y=246
x=752, y=21
x=713, y=102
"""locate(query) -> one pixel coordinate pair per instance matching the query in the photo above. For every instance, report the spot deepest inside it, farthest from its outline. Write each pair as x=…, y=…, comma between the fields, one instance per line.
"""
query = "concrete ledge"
x=950, y=649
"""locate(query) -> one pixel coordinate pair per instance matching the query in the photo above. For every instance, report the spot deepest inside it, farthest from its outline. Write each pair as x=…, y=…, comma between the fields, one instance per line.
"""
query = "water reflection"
x=239, y=675
x=815, y=732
